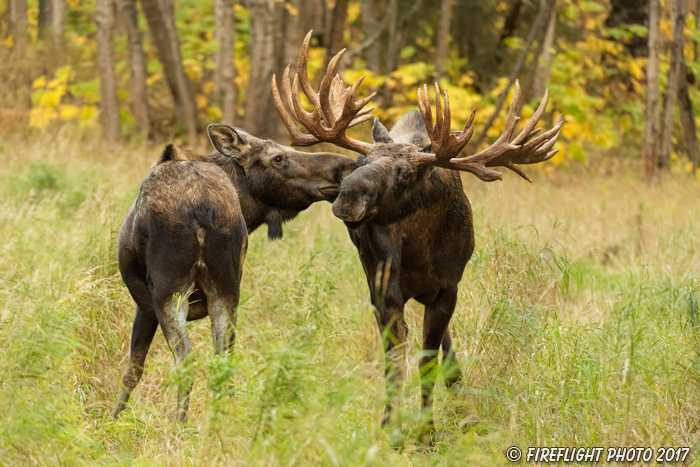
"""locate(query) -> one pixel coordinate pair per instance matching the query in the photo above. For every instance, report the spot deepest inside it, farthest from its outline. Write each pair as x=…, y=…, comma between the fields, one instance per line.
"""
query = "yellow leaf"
x=697, y=176
x=69, y=111
x=39, y=82
x=51, y=98
x=201, y=101
x=636, y=71
x=40, y=117
x=9, y=42
x=208, y=87
x=290, y=8
x=153, y=78
x=87, y=113
x=674, y=156
x=688, y=166
x=53, y=84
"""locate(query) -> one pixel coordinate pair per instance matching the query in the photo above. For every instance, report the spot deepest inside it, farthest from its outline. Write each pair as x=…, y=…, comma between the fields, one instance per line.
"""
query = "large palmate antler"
x=335, y=109
x=505, y=152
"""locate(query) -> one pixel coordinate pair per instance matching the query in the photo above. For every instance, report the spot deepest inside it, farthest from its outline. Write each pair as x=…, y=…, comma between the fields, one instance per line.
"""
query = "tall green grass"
x=578, y=324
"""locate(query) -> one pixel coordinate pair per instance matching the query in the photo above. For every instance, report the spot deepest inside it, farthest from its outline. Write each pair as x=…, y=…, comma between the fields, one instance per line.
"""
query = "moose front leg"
x=436, y=321
x=388, y=305
x=451, y=371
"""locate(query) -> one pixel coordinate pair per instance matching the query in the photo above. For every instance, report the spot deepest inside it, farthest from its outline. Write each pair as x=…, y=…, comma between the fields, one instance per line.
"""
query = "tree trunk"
x=511, y=21
x=45, y=18
x=537, y=26
x=336, y=29
x=544, y=61
x=225, y=71
x=369, y=27
x=678, y=13
x=109, y=105
x=18, y=21
x=160, y=15
x=260, y=118
x=697, y=27
x=688, y=119
x=651, y=127
x=443, y=40
x=58, y=23
x=137, y=66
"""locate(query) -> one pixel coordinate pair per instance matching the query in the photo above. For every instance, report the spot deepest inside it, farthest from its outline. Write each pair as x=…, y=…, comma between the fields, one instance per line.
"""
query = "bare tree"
x=109, y=105
x=651, y=127
x=336, y=28
x=18, y=19
x=224, y=23
x=687, y=118
x=262, y=41
x=44, y=20
x=137, y=65
x=678, y=14
x=160, y=15
x=370, y=27
x=545, y=7
x=58, y=23
x=543, y=63
x=443, y=40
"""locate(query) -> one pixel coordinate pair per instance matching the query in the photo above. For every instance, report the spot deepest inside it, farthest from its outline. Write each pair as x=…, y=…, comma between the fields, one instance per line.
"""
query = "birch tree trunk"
x=224, y=24
x=678, y=13
x=160, y=15
x=651, y=127
x=443, y=41
x=109, y=105
x=137, y=65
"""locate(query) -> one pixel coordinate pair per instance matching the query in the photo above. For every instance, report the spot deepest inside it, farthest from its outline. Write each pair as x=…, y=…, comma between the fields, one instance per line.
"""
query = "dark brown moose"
x=183, y=242
x=409, y=217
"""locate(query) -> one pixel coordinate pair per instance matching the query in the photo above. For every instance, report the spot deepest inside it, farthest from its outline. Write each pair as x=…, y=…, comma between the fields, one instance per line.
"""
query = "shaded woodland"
x=624, y=72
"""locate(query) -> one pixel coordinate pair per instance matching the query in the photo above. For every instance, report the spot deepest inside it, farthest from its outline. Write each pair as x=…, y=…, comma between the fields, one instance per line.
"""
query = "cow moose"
x=408, y=215
x=183, y=241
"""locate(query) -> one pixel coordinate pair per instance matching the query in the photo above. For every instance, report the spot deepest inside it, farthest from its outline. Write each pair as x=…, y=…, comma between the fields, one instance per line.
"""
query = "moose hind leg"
x=172, y=306
x=143, y=330
x=436, y=321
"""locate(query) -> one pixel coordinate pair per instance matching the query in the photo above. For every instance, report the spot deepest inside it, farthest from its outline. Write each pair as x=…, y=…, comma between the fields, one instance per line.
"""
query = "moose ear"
x=379, y=133
x=228, y=141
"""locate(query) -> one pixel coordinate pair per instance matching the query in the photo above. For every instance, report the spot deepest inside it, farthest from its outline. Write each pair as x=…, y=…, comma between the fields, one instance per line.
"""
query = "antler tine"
x=447, y=120
x=298, y=138
x=425, y=110
x=505, y=152
x=303, y=70
x=334, y=108
x=325, y=105
x=527, y=131
x=287, y=88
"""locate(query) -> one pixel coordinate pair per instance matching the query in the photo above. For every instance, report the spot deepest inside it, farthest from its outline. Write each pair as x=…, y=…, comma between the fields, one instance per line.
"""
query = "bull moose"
x=183, y=241
x=406, y=210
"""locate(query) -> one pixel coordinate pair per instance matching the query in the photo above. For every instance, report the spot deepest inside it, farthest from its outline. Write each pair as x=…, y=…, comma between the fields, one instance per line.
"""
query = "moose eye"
x=278, y=159
x=405, y=176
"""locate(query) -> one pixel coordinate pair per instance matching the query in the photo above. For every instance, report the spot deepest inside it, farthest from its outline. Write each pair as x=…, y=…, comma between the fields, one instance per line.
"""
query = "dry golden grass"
x=577, y=324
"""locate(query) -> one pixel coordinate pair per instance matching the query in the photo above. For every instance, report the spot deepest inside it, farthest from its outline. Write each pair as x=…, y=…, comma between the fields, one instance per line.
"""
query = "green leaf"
x=408, y=52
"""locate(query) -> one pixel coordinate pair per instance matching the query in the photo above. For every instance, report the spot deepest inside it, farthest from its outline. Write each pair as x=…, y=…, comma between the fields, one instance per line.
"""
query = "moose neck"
x=254, y=211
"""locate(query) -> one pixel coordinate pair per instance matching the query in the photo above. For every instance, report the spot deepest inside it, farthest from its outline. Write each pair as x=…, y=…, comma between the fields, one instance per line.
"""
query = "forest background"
x=578, y=316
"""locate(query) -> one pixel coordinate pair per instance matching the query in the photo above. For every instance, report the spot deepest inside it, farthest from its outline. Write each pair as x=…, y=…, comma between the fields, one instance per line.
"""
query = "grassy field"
x=578, y=324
